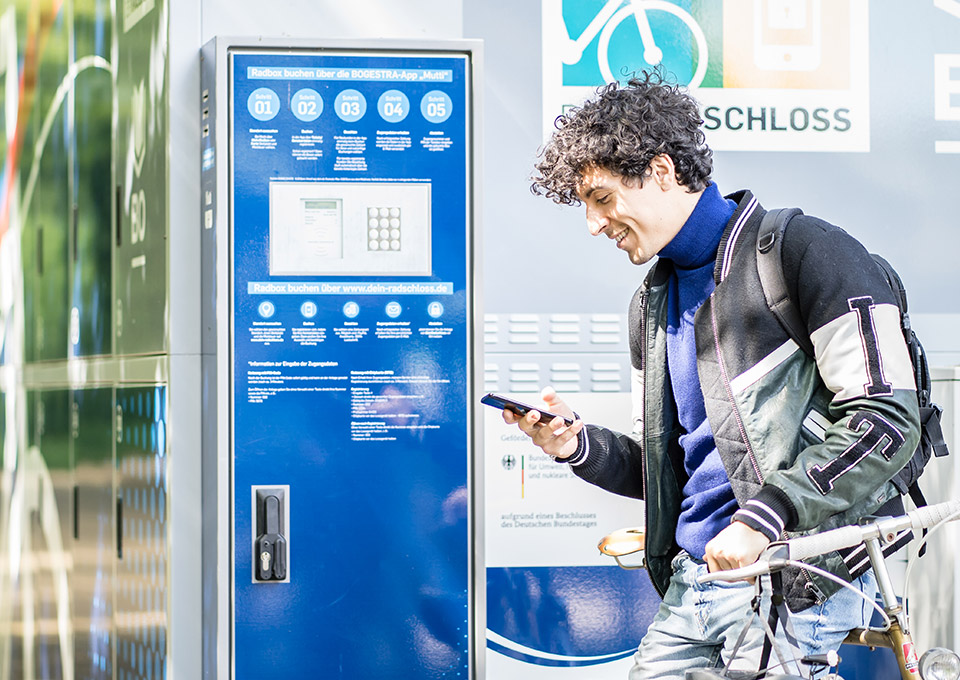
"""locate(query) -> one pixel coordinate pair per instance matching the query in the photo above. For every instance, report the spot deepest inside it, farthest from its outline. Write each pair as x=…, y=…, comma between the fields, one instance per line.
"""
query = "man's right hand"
x=555, y=439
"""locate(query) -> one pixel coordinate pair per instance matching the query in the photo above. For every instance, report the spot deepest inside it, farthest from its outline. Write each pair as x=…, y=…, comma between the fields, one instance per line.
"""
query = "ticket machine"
x=338, y=212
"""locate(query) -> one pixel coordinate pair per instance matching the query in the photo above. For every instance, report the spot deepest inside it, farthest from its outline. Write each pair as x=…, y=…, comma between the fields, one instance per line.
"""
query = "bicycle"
x=612, y=14
x=935, y=664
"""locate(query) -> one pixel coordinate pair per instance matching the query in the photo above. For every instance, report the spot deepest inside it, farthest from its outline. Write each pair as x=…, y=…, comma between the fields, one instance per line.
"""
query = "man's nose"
x=596, y=223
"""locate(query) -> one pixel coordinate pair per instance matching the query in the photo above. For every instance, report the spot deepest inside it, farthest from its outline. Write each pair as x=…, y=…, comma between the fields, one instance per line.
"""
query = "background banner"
x=775, y=75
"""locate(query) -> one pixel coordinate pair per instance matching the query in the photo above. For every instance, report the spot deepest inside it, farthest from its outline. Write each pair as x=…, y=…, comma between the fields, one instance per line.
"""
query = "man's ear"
x=663, y=172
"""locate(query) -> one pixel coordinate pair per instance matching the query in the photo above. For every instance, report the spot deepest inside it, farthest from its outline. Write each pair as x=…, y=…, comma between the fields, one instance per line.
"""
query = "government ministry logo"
x=775, y=75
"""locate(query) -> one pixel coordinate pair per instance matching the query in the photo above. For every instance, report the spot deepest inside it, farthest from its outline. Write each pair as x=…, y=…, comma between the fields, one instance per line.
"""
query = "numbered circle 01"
x=436, y=106
x=393, y=106
x=263, y=103
x=350, y=106
x=306, y=104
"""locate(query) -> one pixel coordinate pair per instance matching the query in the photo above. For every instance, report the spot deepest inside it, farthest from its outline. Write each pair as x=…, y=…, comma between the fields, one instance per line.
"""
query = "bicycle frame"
x=897, y=637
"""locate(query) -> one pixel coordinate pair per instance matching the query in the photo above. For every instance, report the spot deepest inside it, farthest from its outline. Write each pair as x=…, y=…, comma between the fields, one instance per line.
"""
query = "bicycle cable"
x=913, y=560
x=840, y=581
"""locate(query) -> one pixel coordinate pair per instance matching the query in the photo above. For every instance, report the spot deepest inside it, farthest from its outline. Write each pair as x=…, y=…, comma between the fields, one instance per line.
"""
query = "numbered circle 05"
x=393, y=106
x=306, y=104
x=263, y=103
x=350, y=106
x=436, y=106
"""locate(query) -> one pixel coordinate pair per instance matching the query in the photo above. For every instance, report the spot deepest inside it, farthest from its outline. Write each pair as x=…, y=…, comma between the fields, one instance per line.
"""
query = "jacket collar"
x=747, y=206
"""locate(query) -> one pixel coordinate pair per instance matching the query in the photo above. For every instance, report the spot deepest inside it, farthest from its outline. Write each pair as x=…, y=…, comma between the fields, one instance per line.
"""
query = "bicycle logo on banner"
x=669, y=35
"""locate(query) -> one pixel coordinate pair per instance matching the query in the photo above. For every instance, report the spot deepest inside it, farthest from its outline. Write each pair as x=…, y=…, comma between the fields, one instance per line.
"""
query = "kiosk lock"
x=270, y=547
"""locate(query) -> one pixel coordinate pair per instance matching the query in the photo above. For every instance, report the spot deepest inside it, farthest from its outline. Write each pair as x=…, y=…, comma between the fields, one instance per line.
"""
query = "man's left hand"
x=736, y=546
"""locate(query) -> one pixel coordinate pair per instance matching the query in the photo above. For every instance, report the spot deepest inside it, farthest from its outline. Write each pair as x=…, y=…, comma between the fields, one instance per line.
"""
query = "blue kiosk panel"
x=351, y=354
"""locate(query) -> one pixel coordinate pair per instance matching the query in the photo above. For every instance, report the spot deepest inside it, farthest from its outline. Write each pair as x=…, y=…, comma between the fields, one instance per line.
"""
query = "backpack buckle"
x=766, y=242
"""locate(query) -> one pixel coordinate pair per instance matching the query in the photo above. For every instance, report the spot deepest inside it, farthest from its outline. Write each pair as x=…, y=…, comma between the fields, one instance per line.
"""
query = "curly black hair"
x=621, y=130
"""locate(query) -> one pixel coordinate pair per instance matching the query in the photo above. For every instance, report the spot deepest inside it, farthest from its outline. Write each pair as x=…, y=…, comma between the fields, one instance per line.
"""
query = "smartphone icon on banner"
x=787, y=34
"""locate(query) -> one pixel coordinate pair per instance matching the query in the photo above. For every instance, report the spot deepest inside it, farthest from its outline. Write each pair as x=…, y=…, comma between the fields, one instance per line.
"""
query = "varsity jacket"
x=807, y=444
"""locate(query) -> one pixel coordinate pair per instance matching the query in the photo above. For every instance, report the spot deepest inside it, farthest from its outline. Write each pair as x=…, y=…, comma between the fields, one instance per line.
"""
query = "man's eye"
x=603, y=200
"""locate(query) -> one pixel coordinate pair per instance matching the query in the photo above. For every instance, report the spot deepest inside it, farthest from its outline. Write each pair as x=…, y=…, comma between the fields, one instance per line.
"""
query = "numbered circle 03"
x=436, y=106
x=263, y=103
x=393, y=106
x=306, y=104
x=350, y=106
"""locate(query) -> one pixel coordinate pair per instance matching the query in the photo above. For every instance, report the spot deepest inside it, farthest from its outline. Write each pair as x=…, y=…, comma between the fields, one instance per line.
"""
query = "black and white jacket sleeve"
x=868, y=426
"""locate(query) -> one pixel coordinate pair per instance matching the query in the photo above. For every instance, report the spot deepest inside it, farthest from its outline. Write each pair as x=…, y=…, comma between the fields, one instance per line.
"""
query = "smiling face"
x=640, y=218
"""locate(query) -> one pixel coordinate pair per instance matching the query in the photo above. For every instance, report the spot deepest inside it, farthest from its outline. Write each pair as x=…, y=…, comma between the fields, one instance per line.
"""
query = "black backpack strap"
x=778, y=614
x=772, y=280
x=921, y=370
x=932, y=430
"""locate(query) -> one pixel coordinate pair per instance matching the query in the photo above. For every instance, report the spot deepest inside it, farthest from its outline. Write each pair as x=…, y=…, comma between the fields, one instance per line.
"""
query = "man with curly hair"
x=740, y=437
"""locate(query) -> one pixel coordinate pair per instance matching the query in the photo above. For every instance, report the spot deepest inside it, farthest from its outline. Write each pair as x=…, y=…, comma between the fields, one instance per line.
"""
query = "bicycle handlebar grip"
x=928, y=515
x=805, y=547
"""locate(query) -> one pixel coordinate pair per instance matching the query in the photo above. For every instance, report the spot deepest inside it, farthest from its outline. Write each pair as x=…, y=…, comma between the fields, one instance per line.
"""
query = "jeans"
x=697, y=625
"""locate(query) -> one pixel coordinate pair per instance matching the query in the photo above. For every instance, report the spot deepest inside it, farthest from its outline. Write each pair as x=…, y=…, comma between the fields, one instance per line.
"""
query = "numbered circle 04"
x=436, y=106
x=350, y=106
x=263, y=103
x=393, y=106
x=306, y=104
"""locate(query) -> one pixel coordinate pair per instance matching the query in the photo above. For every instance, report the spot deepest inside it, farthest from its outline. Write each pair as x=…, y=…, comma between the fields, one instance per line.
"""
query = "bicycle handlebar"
x=776, y=556
x=805, y=547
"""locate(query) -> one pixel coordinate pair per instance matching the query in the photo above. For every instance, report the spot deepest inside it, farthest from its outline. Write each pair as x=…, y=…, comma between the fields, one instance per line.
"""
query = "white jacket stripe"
x=842, y=359
x=764, y=366
x=734, y=235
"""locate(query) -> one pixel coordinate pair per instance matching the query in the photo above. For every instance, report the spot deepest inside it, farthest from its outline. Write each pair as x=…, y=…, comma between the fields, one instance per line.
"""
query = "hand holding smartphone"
x=521, y=409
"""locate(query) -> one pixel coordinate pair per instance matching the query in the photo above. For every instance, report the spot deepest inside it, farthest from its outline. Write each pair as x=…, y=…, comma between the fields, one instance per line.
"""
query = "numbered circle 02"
x=350, y=106
x=436, y=106
x=393, y=106
x=263, y=103
x=306, y=104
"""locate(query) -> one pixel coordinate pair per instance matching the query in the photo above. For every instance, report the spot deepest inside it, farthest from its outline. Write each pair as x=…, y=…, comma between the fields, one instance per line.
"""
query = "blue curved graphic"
x=533, y=656
x=568, y=616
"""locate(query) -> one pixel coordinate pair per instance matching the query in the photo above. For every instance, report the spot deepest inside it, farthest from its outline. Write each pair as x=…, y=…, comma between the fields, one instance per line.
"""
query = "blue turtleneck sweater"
x=708, y=500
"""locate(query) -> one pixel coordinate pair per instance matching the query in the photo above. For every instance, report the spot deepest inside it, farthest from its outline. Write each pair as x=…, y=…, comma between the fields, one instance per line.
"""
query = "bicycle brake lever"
x=773, y=558
x=775, y=555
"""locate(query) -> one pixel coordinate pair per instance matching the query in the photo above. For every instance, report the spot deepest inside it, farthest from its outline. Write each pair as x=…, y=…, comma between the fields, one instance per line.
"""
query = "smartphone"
x=518, y=407
x=787, y=34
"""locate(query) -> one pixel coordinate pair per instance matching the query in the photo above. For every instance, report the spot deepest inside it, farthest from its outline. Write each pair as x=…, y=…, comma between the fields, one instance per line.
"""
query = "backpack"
x=773, y=282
